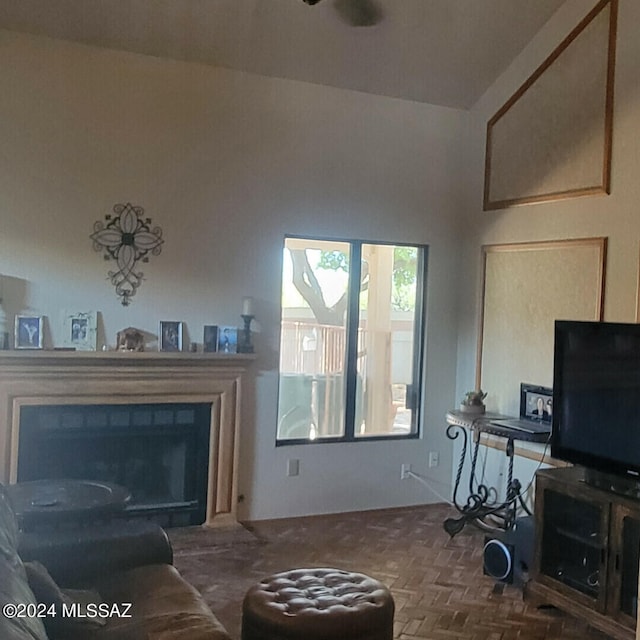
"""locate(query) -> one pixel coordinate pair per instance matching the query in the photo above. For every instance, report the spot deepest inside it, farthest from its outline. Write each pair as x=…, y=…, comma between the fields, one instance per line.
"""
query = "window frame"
x=415, y=403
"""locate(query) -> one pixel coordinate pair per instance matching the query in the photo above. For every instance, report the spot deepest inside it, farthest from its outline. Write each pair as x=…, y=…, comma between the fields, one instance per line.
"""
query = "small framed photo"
x=29, y=332
x=80, y=330
x=170, y=336
x=210, y=340
x=228, y=339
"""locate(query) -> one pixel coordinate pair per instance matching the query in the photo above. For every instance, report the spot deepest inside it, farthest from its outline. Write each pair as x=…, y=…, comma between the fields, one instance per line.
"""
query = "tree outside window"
x=351, y=341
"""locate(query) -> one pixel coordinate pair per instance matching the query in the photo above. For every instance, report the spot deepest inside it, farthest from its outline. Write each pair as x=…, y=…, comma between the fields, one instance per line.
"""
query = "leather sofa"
x=107, y=581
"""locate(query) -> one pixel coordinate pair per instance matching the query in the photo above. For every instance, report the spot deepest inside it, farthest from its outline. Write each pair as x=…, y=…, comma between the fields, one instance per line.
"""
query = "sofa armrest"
x=76, y=555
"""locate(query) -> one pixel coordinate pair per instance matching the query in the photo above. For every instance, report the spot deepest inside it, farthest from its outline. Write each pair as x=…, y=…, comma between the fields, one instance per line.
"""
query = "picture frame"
x=210, y=338
x=170, y=335
x=228, y=339
x=80, y=330
x=29, y=332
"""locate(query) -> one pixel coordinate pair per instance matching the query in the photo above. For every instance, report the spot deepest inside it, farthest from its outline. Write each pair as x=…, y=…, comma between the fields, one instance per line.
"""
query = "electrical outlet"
x=404, y=471
x=434, y=458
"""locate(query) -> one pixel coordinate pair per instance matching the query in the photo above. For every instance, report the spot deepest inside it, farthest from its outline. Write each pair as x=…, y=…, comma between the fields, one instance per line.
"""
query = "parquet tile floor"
x=437, y=582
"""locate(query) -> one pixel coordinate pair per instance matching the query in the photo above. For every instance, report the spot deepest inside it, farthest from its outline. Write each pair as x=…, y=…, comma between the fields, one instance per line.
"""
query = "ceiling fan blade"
x=358, y=13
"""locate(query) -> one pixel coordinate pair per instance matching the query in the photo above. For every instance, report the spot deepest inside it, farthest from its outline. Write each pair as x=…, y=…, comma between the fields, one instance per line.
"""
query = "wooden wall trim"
x=598, y=189
x=600, y=243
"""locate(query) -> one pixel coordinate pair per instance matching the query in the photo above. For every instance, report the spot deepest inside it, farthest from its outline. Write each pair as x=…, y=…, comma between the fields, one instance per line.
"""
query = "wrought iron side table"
x=478, y=509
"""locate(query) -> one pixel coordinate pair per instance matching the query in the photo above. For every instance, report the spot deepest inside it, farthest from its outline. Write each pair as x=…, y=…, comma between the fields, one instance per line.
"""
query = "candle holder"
x=4, y=334
x=245, y=345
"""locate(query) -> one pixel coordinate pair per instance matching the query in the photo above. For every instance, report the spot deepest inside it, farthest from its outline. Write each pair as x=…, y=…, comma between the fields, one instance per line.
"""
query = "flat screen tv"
x=596, y=396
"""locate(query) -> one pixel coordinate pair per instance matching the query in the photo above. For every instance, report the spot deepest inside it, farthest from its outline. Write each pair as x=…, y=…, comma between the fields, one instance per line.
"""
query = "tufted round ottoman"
x=318, y=604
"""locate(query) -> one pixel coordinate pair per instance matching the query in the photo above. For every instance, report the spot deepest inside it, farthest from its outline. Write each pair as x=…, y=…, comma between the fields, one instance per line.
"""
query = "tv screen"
x=596, y=396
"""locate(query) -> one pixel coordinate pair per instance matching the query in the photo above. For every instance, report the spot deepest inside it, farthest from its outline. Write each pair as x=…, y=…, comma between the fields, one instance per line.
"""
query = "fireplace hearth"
x=158, y=451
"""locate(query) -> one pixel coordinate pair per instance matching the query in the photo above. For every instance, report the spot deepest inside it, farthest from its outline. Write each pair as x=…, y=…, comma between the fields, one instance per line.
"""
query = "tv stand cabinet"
x=587, y=551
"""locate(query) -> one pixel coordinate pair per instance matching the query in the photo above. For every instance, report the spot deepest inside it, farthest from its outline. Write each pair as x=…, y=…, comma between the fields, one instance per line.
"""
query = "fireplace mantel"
x=66, y=377
x=64, y=358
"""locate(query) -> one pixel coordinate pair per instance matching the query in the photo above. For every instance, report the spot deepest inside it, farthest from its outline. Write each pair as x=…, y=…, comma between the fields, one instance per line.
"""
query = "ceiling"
x=445, y=52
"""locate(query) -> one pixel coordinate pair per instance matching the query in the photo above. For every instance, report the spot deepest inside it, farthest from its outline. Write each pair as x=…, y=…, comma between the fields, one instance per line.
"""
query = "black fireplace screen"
x=160, y=452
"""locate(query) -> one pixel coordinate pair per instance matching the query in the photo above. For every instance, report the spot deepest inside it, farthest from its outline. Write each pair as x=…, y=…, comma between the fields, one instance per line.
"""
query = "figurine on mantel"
x=130, y=339
x=473, y=402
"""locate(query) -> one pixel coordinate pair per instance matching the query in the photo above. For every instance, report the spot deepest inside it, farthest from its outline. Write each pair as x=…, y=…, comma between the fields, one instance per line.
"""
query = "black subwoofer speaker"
x=508, y=555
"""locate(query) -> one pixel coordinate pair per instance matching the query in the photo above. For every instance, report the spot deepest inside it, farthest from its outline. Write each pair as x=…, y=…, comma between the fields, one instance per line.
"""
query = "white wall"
x=614, y=216
x=227, y=163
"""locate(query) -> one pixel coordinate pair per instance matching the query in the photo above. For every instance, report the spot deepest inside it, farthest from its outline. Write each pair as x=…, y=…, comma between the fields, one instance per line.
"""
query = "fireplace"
x=53, y=396
x=159, y=452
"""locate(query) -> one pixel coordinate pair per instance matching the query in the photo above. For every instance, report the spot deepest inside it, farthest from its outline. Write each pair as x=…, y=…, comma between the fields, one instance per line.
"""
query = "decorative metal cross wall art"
x=127, y=238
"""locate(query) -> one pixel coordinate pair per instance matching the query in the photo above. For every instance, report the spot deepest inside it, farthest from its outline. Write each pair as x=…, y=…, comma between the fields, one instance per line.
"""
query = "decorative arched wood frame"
x=552, y=138
x=525, y=288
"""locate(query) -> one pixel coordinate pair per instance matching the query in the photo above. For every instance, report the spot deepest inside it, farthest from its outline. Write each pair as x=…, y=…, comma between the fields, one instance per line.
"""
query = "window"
x=351, y=340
